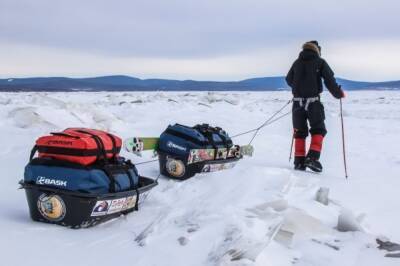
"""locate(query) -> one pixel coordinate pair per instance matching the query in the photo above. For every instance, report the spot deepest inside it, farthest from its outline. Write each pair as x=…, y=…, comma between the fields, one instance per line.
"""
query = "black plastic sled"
x=78, y=209
x=177, y=168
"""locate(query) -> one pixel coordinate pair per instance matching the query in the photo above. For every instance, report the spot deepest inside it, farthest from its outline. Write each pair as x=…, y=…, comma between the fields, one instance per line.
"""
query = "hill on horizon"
x=127, y=83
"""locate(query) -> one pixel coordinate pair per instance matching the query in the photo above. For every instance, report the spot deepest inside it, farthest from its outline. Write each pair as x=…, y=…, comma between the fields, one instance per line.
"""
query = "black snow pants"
x=314, y=114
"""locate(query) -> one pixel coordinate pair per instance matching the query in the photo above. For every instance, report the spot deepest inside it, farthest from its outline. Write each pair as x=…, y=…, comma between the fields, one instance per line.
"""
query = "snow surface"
x=259, y=213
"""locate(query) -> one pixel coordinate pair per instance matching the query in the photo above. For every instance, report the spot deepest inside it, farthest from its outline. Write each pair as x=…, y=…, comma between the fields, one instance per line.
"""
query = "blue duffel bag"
x=180, y=139
x=110, y=178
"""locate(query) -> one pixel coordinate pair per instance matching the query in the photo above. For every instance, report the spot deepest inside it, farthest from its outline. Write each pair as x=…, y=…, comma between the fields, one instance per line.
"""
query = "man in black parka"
x=305, y=78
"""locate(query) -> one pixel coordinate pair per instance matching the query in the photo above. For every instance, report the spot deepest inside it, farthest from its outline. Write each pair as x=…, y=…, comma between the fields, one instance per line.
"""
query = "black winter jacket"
x=305, y=75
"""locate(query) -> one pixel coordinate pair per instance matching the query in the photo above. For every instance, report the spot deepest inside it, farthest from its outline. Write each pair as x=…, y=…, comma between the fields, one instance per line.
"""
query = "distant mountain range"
x=126, y=83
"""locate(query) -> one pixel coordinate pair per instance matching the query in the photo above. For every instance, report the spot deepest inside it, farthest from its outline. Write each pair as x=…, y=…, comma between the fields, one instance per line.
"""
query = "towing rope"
x=268, y=122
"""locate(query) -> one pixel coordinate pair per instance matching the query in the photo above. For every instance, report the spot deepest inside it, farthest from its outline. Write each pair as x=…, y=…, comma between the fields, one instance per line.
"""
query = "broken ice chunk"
x=347, y=222
x=323, y=195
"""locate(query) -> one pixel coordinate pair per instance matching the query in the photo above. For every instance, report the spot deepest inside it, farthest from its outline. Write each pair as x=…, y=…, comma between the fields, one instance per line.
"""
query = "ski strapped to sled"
x=136, y=145
x=200, y=155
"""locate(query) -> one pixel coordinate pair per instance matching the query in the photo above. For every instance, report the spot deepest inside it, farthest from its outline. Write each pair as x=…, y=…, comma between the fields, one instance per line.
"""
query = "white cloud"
x=225, y=39
x=22, y=60
x=371, y=60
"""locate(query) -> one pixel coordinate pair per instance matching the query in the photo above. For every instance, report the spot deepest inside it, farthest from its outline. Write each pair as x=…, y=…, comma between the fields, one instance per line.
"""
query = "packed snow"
x=259, y=213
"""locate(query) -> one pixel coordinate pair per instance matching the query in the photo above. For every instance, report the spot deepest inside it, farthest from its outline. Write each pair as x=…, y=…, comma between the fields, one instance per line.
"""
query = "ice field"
x=259, y=213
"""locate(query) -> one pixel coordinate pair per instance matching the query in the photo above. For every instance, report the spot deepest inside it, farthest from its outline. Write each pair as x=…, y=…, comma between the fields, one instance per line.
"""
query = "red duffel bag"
x=79, y=145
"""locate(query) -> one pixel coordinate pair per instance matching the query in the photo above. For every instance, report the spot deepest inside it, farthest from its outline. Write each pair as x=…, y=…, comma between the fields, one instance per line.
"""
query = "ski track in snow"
x=259, y=213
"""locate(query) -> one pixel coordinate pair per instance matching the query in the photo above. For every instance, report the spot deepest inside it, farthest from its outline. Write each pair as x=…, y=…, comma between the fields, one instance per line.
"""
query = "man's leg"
x=316, y=116
x=315, y=146
x=300, y=128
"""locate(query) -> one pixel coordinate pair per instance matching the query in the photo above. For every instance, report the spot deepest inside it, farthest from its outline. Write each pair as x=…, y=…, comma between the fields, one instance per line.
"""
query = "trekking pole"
x=343, y=143
x=291, y=148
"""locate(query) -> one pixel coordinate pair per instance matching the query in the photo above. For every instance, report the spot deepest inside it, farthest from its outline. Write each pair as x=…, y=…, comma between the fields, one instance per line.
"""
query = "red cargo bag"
x=79, y=145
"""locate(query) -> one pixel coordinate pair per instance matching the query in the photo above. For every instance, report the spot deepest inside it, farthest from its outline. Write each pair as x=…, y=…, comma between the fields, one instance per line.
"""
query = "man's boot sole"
x=313, y=168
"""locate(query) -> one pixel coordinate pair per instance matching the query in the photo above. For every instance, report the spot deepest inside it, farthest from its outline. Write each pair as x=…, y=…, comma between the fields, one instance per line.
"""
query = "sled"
x=65, y=186
x=185, y=151
x=81, y=210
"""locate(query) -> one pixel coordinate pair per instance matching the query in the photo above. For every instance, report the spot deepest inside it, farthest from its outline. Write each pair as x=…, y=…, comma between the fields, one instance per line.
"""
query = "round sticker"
x=51, y=207
x=176, y=168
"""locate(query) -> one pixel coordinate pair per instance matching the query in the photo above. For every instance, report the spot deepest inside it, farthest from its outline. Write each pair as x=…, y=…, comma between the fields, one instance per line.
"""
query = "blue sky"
x=206, y=40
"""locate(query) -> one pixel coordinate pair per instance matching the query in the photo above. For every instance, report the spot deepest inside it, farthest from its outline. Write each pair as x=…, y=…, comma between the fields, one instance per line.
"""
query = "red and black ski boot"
x=312, y=161
x=314, y=164
x=299, y=154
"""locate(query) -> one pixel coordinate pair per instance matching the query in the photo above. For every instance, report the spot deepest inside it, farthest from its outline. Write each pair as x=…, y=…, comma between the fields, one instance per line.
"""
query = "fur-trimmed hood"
x=311, y=46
